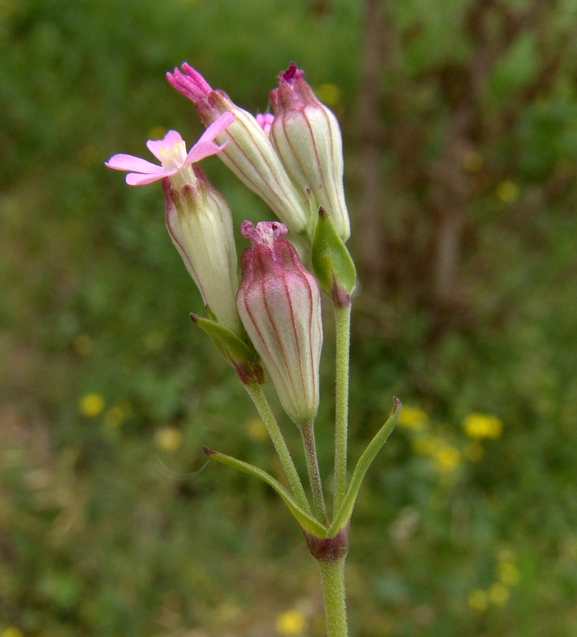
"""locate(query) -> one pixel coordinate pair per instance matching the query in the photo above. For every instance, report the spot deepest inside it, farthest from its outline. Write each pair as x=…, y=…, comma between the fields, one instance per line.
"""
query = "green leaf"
x=344, y=513
x=241, y=355
x=332, y=263
x=306, y=521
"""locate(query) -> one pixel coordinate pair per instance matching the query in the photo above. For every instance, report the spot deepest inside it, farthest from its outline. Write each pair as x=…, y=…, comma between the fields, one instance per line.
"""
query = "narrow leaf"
x=307, y=522
x=344, y=513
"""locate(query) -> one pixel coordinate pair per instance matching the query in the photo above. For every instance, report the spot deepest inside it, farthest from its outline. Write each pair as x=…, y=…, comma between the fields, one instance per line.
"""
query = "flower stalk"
x=334, y=596
x=261, y=403
x=343, y=339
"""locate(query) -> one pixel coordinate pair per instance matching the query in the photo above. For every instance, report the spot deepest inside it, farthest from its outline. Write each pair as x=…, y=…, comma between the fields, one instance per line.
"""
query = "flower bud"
x=307, y=137
x=200, y=225
x=280, y=307
x=249, y=153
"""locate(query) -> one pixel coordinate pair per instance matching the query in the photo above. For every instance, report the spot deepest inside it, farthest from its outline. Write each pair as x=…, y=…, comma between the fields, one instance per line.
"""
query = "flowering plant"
x=271, y=320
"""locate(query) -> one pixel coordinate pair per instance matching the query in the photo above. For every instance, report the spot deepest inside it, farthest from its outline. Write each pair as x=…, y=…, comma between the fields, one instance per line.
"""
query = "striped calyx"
x=279, y=304
x=199, y=222
x=307, y=138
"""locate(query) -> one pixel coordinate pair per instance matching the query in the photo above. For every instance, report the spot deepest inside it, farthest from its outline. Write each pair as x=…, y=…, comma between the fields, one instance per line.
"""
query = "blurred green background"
x=460, y=127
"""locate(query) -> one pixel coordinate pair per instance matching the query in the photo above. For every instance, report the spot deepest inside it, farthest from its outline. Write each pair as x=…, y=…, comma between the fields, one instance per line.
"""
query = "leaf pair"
x=342, y=516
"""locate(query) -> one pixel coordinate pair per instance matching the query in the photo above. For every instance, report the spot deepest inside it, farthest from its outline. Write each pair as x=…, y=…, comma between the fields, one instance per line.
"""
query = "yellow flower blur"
x=478, y=600
x=508, y=573
x=168, y=439
x=256, y=430
x=499, y=594
x=447, y=458
x=413, y=418
x=91, y=405
x=290, y=623
x=508, y=191
x=480, y=426
x=330, y=94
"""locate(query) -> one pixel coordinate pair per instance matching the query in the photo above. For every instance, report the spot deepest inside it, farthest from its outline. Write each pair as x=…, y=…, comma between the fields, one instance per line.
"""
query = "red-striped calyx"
x=279, y=304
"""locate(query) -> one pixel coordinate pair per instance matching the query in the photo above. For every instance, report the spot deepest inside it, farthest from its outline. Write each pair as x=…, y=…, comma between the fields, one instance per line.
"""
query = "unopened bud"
x=307, y=137
x=200, y=225
x=279, y=304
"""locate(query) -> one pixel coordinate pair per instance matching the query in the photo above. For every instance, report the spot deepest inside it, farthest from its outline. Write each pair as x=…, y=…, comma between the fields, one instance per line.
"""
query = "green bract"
x=332, y=263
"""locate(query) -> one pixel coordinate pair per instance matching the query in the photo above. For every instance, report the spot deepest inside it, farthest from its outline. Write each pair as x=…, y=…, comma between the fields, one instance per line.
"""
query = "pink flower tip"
x=189, y=82
x=265, y=121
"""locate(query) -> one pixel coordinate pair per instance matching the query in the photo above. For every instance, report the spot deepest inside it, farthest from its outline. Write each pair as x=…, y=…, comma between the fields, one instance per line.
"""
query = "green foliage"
x=109, y=393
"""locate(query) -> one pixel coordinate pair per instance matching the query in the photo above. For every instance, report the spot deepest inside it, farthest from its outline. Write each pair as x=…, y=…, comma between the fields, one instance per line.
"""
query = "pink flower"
x=265, y=121
x=280, y=306
x=171, y=151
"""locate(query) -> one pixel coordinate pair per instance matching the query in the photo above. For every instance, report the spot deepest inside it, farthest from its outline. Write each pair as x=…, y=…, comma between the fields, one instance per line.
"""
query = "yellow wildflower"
x=413, y=418
x=499, y=594
x=329, y=94
x=91, y=405
x=478, y=600
x=508, y=573
x=480, y=426
x=508, y=191
x=292, y=622
x=447, y=458
x=168, y=439
x=425, y=445
x=157, y=132
x=256, y=430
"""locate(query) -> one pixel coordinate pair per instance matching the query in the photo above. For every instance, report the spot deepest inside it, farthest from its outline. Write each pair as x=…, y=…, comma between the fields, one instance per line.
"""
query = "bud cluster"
x=293, y=161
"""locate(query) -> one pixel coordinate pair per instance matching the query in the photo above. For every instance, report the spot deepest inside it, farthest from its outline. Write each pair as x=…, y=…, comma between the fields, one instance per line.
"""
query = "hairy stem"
x=256, y=393
x=343, y=340
x=333, y=583
x=308, y=436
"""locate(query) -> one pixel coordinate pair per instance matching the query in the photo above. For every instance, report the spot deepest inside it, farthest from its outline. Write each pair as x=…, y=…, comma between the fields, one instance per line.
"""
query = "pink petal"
x=130, y=162
x=190, y=83
x=196, y=77
x=201, y=150
x=265, y=121
x=134, y=179
x=172, y=137
x=217, y=127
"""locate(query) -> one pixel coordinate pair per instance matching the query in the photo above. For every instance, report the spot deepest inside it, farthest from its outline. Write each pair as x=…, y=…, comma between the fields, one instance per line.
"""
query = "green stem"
x=333, y=583
x=259, y=399
x=343, y=342
x=308, y=436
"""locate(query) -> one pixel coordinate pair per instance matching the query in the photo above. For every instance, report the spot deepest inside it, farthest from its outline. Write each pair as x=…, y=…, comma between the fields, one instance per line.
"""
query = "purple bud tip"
x=265, y=233
x=322, y=213
x=194, y=317
x=292, y=73
x=209, y=452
